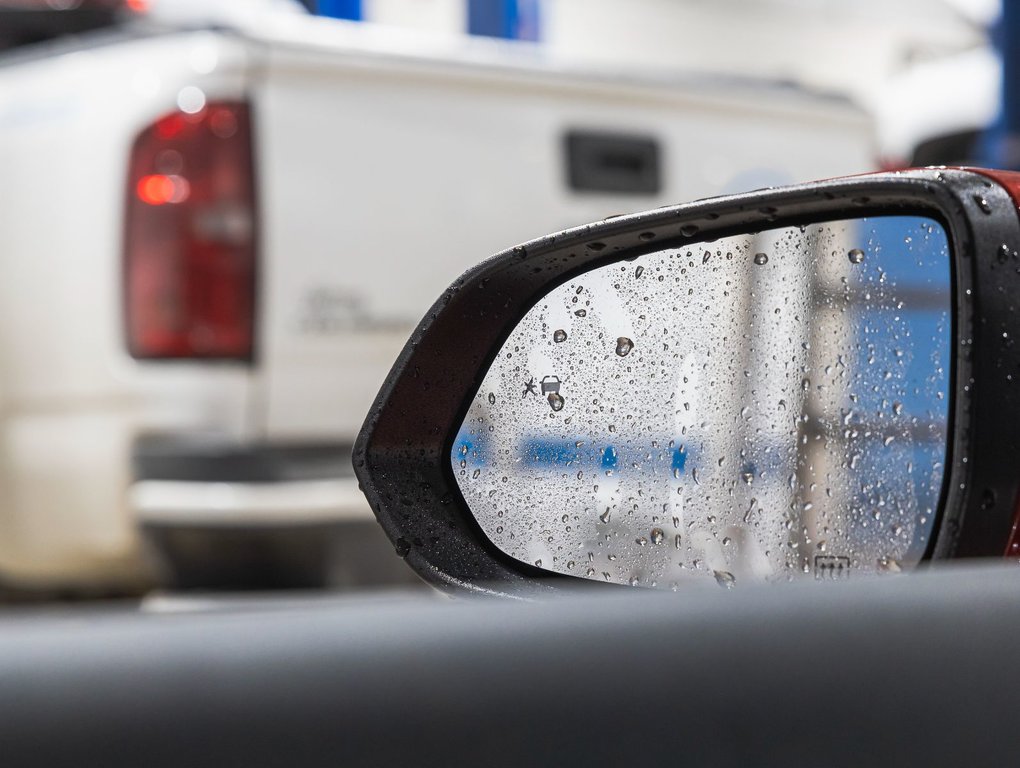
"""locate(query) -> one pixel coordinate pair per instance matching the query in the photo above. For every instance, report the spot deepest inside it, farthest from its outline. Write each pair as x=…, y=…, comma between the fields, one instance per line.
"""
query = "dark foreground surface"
x=911, y=671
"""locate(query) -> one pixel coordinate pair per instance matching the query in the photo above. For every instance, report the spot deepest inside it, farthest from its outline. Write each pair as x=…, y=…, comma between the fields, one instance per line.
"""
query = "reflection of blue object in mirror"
x=905, y=326
x=470, y=448
x=539, y=451
x=609, y=458
x=897, y=247
x=553, y=453
x=679, y=459
x=902, y=334
x=925, y=460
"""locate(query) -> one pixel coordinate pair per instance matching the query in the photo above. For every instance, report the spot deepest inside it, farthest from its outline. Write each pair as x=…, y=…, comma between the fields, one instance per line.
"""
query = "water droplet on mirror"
x=538, y=563
x=556, y=401
x=750, y=509
x=606, y=516
x=657, y=535
x=492, y=399
x=581, y=313
x=888, y=565
x=639, y=271
x=724, y=579
x=559, y=336
x=624, y=346
x=641, y=541
x=856, y=256
x=761, y=259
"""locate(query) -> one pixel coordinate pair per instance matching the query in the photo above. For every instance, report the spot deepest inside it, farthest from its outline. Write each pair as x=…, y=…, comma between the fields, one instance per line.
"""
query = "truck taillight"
x=189, y=266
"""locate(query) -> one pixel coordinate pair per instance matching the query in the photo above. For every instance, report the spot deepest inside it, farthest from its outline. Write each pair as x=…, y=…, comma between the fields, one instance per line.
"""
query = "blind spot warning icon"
x=550, y=384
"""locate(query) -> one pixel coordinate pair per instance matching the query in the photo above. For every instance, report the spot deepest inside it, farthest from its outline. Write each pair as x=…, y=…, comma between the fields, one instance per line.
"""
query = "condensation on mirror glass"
x=753, y=408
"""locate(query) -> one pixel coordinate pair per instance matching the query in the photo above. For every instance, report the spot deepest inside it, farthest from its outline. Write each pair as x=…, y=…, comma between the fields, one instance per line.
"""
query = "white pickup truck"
x=217, y=235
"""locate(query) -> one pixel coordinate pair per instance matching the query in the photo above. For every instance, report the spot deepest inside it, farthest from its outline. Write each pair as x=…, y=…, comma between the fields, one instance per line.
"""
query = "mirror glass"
x=761, y=407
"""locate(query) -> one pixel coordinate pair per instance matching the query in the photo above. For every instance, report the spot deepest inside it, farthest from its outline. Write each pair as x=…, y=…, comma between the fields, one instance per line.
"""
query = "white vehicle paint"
x=945, y=97
x=385, y=165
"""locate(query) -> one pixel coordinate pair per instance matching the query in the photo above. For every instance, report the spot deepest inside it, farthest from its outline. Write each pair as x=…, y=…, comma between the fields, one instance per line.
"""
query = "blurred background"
x=221, y=220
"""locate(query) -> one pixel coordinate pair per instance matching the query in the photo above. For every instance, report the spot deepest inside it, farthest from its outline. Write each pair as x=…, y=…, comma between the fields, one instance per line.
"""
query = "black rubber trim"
x=402, y=456
x=172, y=457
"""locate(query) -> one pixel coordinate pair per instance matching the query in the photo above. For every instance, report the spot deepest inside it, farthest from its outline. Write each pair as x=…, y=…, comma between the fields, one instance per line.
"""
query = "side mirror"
x=809, y=382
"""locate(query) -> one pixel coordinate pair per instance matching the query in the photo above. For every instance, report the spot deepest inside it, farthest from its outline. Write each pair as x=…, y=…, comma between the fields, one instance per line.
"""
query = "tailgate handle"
x=612, y=162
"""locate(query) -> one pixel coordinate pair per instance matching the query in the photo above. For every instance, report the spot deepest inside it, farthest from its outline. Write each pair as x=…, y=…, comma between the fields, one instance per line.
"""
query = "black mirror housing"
x=402, y=454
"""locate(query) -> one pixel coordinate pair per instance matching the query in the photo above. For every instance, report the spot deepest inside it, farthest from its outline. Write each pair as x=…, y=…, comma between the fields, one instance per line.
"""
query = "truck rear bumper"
x=228, y=515
x=198, y=503
x=191, y=482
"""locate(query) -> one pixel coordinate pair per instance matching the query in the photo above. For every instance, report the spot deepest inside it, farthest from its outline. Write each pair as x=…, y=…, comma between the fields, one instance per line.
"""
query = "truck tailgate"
x=385, y=173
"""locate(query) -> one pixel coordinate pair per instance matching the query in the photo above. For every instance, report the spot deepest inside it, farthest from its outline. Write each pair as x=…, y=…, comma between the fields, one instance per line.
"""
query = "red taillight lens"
x=190, y=242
